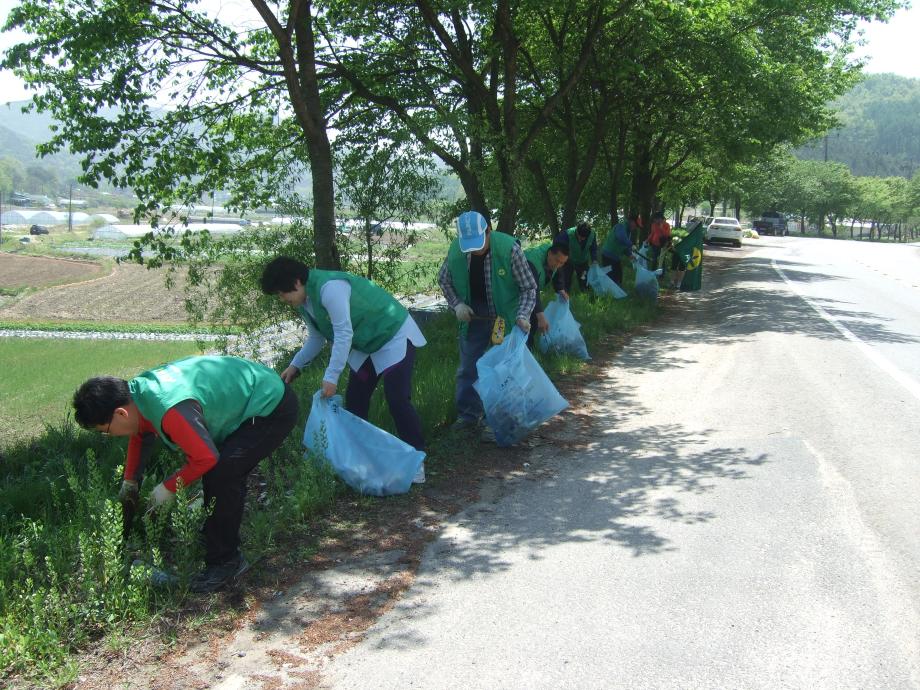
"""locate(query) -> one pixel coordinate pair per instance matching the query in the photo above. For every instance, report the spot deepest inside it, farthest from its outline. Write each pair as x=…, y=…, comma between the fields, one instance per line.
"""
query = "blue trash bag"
x=647, y=282
x=643, y=254
x=516, y=393
x=364, y=456
x=603, y=284
x=564, y=334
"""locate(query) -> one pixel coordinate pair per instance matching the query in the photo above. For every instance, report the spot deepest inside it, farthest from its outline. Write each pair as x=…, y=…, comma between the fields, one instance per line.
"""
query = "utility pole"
x=70, y=209
x=825, y=148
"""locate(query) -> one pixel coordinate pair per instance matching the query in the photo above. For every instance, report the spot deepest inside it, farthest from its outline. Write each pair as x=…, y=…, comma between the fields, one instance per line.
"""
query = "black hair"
x=559, y=249
x=95, y=401
x=583, y=229
x=658, y=215
x=281, y=273
x=633, y=216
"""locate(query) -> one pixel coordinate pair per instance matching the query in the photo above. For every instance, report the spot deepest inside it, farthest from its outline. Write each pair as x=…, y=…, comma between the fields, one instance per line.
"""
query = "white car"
x=723, y=229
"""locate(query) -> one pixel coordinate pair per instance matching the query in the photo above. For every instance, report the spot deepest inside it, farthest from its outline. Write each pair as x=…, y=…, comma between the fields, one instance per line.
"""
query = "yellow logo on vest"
x=695, y=259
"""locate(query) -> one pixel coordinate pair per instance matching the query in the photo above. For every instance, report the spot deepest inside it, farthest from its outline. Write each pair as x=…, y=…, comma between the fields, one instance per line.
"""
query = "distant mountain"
x=33, y=126
x=880, y=132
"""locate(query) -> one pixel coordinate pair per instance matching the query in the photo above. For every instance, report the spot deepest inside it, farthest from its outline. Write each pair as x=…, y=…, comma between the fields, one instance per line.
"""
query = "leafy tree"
x=387, y=180
x=12, y=174
x=245, y=110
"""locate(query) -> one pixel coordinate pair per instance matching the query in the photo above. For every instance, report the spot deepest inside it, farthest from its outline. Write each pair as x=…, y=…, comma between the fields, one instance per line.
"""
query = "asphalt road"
x=743, y=514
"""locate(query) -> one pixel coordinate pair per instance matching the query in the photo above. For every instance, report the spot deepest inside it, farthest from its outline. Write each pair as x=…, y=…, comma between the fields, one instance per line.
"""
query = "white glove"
x=161, y=496
x=524, y=325
x=463, y=312
x=128, y=491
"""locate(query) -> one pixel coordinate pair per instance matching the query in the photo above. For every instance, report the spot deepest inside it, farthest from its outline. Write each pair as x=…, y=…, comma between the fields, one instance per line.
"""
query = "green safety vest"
x=375, y=313
x=505, y=291
x=537, y=256
x=230, y=391
x=611, y=246
x=577, y=253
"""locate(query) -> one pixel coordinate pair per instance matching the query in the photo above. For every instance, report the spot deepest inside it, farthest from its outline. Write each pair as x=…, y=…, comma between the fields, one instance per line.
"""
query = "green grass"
x=91, y=326
x=40, y=375
x=65, y=569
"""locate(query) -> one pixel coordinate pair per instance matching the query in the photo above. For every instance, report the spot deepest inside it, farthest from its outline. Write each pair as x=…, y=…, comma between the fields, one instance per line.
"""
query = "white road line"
x=899, y=376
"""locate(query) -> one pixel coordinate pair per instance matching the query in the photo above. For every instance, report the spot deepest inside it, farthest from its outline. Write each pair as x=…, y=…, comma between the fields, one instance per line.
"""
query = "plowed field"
x=130, y=294
x=22, y=271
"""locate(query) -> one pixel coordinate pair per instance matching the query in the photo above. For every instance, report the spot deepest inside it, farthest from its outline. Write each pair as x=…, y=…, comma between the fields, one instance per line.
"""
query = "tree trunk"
x=368, y=237
x=644, y=188
x=546, y=200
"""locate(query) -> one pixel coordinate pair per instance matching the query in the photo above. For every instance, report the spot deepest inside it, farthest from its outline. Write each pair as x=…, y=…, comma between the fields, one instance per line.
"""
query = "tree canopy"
x=544, y=109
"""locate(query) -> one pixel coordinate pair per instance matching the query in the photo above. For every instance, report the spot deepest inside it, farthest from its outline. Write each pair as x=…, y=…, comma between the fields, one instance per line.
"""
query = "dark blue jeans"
x=472, y=346
x=397, y=387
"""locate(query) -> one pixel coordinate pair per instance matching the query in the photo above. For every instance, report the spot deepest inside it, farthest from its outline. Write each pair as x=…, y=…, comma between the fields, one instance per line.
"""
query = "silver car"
x=723, y=229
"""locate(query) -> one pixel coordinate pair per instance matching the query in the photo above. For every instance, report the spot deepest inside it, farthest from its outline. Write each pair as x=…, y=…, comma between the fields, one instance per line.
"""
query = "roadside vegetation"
x=66, y=574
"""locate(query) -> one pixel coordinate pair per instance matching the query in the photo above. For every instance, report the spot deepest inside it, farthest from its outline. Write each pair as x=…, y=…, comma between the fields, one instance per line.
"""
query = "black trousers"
x=616, y=269
x=569, y=269
x=241, y=451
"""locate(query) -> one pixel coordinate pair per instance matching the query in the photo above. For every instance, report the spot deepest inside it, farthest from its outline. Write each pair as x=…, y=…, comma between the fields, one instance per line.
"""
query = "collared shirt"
x=520, y=270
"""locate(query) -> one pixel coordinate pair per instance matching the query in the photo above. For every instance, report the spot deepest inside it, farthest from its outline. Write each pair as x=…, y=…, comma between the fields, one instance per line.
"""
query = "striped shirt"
x=520, y=270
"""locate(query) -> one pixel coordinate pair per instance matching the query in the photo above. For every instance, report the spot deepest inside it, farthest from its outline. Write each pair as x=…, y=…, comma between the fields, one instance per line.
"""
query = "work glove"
x=128, y=491
x=524, y=325
x=464, y=312
x=161, y=496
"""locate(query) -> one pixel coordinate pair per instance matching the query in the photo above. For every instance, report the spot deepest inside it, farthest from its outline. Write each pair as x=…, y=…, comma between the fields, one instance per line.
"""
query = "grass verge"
x=66, y=575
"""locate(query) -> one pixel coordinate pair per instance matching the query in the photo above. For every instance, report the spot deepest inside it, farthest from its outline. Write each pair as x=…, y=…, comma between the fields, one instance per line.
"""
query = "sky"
x=892, y=47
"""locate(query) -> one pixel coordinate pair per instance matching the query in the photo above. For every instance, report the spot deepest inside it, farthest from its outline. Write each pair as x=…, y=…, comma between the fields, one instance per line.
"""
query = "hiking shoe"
x=214, y=577
x=419, y=477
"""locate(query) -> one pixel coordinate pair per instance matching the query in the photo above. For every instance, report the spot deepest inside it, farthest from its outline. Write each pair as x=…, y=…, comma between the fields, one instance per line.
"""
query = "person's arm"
x=558, y=281
x=593, y=248
x=621, y=235
x=527, y=286
x=311, y=347
x=140, y=446
x=538, y=305
x=336, y=298
x=184, y=425
x=447, y=286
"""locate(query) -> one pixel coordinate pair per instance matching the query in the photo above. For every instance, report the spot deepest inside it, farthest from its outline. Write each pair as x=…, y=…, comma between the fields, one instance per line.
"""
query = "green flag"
x=693, y=241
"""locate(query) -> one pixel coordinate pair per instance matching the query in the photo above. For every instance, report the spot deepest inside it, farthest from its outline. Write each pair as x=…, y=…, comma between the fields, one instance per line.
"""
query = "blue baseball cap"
x=471, y=227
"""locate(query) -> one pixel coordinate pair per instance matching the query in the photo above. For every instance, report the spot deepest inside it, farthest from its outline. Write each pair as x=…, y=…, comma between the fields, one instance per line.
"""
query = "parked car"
x=724, y=229
x=38, y=230
x=771, y=223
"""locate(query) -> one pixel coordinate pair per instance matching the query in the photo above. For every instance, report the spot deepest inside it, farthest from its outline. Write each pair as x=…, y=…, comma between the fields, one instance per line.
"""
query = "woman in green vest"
x=225, y=413
x=582, y=244
x=485, y=276
x=368, y=329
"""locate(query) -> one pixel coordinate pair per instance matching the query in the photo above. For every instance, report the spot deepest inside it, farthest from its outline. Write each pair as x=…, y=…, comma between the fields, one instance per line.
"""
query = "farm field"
x=18, y=271
x=39, y=376
x=129, y=294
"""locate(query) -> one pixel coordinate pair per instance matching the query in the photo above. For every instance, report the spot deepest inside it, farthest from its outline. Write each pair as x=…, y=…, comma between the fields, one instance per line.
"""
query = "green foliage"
x=878, y=133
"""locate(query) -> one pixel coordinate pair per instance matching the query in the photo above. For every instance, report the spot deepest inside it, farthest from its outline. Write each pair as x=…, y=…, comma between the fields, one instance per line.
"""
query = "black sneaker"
x=214, y=577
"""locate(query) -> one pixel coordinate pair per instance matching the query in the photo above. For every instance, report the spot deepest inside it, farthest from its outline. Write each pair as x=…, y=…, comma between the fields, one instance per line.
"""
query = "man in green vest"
x=582, y=244
x=484, y=277
x=369, y=330
x=225, y=413
x=619, y=245
x=545, y=260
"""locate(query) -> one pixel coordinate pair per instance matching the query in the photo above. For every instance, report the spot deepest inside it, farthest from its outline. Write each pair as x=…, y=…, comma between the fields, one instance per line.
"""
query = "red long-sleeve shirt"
x=184, y=425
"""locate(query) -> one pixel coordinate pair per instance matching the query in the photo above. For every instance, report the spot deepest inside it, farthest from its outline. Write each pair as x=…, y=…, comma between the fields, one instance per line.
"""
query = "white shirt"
x=335, y=296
